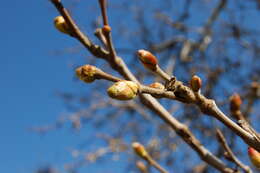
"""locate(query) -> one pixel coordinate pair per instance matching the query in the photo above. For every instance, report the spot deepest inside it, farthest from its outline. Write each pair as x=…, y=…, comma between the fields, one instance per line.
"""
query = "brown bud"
x=235, y=102
x=195, y=83
x=86, y=73
x=148, y=59
x=123, y=90
x=139, y=149
x=157, y=85
x=106, y=29
x=254, y=156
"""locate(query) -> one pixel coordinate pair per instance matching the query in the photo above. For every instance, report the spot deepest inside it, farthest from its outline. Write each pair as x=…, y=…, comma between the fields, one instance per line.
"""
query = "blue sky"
x=32, y=70
x=30, y=75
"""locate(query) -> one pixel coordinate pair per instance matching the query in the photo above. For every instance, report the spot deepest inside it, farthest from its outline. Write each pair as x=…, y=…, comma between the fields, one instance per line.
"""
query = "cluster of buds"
x=87, y=73
x=62, y=26
x=195, y=83
x=123, y=90
x=254, y=156
x=140, y=150
x=148, y=59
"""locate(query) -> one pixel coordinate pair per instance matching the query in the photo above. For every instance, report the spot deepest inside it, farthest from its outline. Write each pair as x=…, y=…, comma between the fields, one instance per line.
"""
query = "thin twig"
x=162, y=74
x=107, y=32
x=231, y=155
x=141, y=151
x=152, y=162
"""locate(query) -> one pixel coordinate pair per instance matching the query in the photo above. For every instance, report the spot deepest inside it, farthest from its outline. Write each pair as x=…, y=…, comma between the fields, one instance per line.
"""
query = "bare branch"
x=230, y=154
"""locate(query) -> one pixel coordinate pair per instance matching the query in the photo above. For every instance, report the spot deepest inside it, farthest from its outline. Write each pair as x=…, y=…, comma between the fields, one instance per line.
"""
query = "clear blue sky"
x=30, y=75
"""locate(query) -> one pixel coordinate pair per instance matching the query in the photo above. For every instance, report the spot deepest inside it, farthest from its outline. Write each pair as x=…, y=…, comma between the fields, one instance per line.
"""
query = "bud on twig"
x=235, y=102
x=139, y=150
x=123, y=90
x=86, y=73
x=148, y=59
x=106, y=29
x=157, y=85
x=141, y=166
x=195, y=83
x=254, y=156
x=62, y=26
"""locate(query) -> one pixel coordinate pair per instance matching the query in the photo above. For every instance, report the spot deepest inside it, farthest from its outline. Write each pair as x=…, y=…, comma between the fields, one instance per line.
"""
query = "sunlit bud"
x=106, y=29
x=123, y=90
x=235, y=102
x=141, y=166
x=61, y=25
x=254, y=156
x=195, y=83
x=139, y=149
x=86, y=73
x=148, y=59
x=157, y=85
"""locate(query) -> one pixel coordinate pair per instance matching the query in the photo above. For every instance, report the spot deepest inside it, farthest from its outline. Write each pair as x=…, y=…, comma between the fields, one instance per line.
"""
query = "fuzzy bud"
x=254, y=156
x=139, y=149
x=195, y=83
x=235, y=102
x=148, y=59
x=123, y=90
x=86, y=73
x=61, y=25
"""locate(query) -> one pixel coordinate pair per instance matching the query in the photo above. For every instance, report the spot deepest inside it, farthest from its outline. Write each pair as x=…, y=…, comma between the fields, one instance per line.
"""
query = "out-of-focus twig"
x=231, y=156
x=141, y=152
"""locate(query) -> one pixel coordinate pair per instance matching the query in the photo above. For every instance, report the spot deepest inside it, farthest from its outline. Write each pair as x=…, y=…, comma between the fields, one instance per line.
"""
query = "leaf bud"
x=139, y=149
x=254, y=156
x=62, y=26
x=86, y=73
x=147, y=59
x=195, y=83
x=123, y=90
x=106, y=29
x=235, y=102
